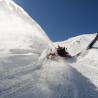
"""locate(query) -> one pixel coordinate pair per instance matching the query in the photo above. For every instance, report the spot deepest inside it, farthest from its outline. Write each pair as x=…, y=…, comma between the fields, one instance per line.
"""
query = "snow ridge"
x=11, y=5
x=25, y=71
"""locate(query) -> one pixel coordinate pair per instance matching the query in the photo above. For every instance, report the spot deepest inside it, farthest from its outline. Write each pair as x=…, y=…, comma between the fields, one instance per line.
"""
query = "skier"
x=61, y=51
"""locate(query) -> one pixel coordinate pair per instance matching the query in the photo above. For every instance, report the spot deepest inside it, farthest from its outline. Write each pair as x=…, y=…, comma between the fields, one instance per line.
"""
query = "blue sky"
x=62, y=19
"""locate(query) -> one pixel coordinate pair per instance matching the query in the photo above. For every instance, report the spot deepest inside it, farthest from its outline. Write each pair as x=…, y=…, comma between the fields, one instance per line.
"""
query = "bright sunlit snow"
x=25, y=71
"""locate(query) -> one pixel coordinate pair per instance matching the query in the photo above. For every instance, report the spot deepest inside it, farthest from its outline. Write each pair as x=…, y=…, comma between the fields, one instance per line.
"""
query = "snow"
x=25, y=71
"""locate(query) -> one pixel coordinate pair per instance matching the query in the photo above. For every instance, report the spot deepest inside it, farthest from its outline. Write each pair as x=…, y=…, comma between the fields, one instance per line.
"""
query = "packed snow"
x=25, y=71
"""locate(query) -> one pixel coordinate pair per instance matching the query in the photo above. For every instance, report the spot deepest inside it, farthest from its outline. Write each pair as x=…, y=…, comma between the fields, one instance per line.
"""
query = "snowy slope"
x=14, y=20
x=87, y=62
x=25, y=72
x=77, y=44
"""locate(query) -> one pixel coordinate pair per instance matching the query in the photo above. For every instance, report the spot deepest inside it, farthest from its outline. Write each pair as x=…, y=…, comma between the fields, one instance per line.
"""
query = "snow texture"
x=25, y=71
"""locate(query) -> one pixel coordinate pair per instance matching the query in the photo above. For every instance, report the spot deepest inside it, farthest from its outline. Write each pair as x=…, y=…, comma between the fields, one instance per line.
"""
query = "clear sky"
x=62, y=19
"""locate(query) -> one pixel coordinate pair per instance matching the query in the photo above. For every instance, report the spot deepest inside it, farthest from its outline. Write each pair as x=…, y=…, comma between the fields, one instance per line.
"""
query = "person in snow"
x=61, y=51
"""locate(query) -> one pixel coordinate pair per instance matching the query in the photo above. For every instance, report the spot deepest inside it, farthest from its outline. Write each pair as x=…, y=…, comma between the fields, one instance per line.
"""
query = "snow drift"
x=25, y=72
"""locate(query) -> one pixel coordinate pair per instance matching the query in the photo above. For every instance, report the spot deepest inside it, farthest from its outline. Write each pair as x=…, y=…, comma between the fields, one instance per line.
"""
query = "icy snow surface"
x=25, y=72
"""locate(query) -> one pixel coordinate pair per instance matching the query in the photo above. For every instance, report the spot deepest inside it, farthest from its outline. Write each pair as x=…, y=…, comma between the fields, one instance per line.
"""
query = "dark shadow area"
x=71, y=60
x=85, y=87
x=94, y=47
x=76, y=86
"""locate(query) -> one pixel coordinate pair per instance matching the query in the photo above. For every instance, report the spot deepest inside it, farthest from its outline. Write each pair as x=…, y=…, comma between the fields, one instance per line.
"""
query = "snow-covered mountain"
x=25, y=71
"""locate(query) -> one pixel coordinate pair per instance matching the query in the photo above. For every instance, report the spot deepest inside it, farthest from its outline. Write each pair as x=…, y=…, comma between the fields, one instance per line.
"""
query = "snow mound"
x=25, y=72
x=87, y=62
x=17, y=29
x=77, y=44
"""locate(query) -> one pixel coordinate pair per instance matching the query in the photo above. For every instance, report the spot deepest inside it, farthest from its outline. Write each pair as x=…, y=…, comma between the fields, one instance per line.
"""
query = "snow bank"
x=17, y=29
x=25, y=72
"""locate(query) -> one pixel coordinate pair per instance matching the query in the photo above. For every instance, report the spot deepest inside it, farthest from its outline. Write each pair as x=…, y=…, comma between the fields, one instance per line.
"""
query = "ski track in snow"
x=25, y=71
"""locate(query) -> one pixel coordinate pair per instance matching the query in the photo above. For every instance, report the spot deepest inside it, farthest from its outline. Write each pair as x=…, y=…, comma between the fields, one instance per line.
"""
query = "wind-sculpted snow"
x=25, y=71
x=44, y=79
x=18, y=30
